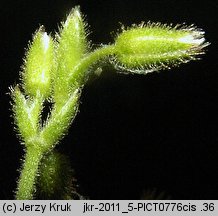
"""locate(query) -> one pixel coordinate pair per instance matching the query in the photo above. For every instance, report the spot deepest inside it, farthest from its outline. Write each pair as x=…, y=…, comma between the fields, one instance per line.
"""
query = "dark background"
x=133, y=133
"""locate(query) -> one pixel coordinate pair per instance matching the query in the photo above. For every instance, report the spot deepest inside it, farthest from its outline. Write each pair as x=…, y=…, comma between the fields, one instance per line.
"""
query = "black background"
x=133, y=133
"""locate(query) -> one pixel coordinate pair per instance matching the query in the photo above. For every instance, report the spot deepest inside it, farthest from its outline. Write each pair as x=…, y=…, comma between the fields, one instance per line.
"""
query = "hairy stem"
x=26, y=183
x=80, y=71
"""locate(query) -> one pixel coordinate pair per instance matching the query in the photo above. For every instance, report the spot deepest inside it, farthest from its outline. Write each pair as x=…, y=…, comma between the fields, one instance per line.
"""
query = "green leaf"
x=56, y=177
x=56, y=126
x=26, y=114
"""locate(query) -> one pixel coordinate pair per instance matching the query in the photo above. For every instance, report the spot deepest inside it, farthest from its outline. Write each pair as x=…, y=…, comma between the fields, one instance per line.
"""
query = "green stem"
x=26, y=183
x=77, y=74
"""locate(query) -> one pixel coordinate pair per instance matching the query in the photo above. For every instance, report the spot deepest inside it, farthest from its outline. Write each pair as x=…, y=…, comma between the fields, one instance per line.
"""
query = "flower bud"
x=152, y=47
x=72, y=45
x=39, y=64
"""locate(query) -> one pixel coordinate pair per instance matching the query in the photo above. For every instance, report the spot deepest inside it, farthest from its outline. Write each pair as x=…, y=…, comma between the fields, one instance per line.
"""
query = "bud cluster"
x=56, y=69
